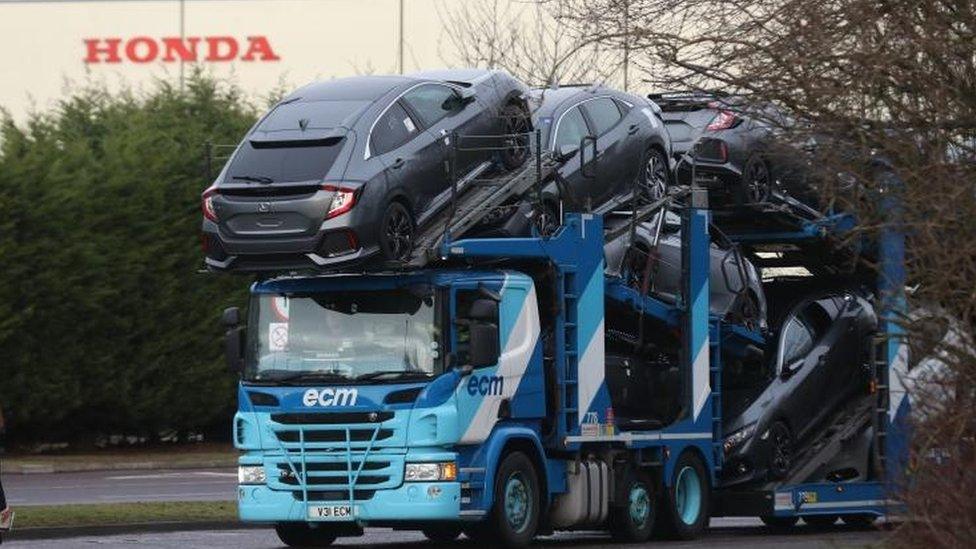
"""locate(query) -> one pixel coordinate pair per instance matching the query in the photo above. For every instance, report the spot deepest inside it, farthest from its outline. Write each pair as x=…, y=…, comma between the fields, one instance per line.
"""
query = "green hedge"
x=106, y=326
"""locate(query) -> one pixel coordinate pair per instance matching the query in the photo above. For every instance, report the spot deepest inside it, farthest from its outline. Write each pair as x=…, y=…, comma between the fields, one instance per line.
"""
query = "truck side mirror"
x=233, y=339
x=234, y=349
x=231, y=317
x=484, y=344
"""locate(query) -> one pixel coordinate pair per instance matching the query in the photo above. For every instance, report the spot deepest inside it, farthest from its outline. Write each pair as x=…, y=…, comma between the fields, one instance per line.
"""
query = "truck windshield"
x=375, y=335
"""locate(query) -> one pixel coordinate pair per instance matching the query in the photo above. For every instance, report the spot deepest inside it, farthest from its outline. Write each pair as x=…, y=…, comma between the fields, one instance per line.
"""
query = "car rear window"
x=604, y=114
x=299, y=115
x=293, y=162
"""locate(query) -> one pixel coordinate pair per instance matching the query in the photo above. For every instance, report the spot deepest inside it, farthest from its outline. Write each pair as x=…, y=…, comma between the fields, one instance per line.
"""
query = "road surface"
x=718, y=537
x=118, y=486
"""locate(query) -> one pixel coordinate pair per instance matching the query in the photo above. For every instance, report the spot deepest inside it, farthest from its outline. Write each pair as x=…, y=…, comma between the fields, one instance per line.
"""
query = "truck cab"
x=379, y=390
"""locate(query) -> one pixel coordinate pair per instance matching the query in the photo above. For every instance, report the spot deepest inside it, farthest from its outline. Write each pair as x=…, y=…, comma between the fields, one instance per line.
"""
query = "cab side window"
x=469, y=309
x=431, y=102
x=572, y=129
x=604, y=114
x=393, y=129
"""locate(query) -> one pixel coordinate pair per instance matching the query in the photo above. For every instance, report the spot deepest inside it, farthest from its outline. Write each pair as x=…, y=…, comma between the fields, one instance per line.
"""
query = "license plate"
x=331, y=512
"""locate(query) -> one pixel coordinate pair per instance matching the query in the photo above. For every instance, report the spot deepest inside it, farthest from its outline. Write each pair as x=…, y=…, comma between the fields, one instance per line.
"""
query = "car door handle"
x=632, y=129
x=397, y=164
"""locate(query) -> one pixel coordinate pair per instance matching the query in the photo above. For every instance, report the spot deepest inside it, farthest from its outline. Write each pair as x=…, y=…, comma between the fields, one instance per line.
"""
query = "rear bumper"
x=409, y=502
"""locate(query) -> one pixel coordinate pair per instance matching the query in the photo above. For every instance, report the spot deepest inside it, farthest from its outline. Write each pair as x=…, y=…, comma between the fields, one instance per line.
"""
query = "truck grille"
x=332, y=457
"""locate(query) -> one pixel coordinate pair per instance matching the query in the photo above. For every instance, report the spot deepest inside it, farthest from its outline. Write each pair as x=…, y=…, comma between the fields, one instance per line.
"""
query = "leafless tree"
x=525, y=38
x=871, y=79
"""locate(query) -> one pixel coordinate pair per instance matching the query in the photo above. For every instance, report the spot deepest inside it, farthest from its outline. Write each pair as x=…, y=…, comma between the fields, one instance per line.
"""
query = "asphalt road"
x=117, y=486
x=723, y=534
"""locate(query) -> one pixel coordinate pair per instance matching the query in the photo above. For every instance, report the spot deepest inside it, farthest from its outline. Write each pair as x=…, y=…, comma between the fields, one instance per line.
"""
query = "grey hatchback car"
x=346, y=170
x=735, y=285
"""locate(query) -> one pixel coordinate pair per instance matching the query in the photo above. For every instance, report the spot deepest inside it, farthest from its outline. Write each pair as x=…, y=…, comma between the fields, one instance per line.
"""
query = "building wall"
x=46, y=53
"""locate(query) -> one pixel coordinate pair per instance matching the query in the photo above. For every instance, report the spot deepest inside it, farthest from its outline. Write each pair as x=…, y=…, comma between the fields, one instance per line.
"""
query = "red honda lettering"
x=180, y=50
x=214, y=45
x=95, y=50
x=258, y=47
x=141, y=49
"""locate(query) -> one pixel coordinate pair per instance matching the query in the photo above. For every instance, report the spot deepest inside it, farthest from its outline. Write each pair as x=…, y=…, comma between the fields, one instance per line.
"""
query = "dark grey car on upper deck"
x=344, y=170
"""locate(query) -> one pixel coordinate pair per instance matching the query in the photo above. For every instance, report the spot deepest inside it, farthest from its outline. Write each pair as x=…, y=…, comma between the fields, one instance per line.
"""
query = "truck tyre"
x=633, y=521
x=821, y=521
x=683, y=509
x=442, y=533
x=779, y=522
x=859, y=520
x=514, y=514
x=299, y=534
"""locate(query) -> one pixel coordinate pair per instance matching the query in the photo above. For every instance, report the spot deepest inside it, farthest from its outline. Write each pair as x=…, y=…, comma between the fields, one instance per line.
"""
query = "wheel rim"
x=688, y=495
x=517, y=128
x=639, y=505
x=782, y=455
x=655, y=178
x=517, y=497
x=633, y=274
x=758, y=181
x=545, y=222
x=399, y=233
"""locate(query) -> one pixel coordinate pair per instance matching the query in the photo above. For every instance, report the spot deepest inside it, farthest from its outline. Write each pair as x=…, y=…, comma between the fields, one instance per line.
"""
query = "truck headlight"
x=736, y=439
x=430, y=472
x=251, y=474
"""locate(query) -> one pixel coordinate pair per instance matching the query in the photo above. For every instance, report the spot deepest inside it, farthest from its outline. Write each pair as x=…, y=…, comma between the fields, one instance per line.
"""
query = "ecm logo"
x=485, y=385
x=330, y=396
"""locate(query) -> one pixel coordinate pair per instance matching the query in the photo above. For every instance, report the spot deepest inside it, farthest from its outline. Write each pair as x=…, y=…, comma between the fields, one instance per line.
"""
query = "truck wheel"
x=442, y=533
x=779, y=522
x=299, y=534
x=515, y=511
x=683, y=508
x=860, y=520
x=820, y=521
x=633, y=521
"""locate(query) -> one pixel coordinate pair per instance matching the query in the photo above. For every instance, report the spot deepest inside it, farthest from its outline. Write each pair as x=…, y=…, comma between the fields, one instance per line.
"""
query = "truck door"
x=488, y=393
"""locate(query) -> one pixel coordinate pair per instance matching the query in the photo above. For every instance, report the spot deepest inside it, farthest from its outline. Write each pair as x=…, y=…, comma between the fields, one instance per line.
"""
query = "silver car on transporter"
x=346, y=170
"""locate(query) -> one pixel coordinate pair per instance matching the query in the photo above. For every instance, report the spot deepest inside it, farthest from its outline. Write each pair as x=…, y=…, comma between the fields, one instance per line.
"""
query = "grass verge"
x=180, y=457
x=103, y=514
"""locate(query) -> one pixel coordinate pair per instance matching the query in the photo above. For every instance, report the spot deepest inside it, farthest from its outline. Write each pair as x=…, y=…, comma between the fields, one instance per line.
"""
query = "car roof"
x=363, y=88
x=553, y=99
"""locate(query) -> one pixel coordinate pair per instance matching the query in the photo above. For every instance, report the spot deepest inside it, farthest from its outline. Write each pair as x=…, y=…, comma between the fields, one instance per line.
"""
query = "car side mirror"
x=231, y=317
x=484, y=349
x=566, y=152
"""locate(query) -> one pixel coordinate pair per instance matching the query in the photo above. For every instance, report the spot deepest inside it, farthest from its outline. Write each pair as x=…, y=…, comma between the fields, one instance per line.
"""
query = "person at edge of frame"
x=6, y=515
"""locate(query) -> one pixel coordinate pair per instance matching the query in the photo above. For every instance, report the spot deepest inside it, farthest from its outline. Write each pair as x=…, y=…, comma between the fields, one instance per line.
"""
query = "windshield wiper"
x=253, y=178
x=395, y=374
x=288, y=375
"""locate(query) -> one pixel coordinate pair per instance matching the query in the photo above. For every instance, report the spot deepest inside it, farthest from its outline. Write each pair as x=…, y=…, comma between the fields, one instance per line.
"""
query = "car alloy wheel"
x=516, y=137
x=781, y=444
x=655, y=180
x=757, y=181
x=397, y=232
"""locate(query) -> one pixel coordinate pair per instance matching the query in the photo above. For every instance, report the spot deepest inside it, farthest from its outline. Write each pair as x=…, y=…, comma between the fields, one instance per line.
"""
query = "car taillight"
x=723, y=121
x=207, y=204
x=342, y=201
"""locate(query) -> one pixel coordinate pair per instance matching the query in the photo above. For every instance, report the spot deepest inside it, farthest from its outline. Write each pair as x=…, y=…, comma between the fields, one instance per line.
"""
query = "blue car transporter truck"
x=471, y=395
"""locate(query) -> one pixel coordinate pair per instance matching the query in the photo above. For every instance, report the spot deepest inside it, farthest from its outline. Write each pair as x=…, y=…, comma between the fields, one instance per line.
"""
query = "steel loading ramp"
x=472, y=201
x=834, y=437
